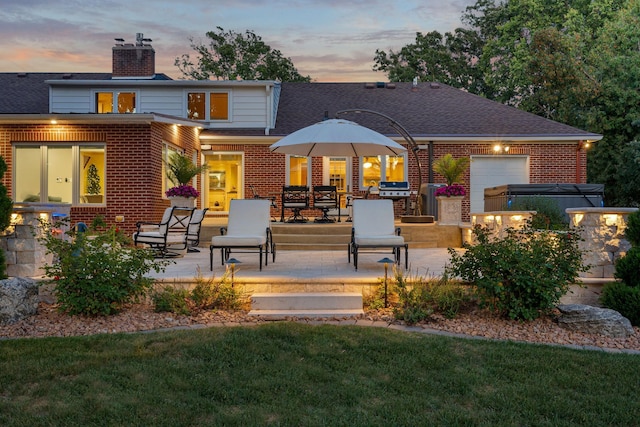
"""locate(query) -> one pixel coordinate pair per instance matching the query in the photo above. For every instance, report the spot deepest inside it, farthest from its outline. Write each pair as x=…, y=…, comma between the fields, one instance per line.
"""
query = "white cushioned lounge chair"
x=248, y=230
x=374, y=228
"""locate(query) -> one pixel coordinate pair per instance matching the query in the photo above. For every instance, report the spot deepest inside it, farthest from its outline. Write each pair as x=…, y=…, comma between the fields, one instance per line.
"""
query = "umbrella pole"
x=410, y=142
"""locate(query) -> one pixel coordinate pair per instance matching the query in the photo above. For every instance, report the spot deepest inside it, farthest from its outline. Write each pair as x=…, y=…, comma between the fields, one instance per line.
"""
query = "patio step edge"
x=286, y=314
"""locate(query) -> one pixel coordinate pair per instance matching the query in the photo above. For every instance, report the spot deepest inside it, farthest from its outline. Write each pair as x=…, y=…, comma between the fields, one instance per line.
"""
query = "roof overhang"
x=423, y=141
x=519, y=139
x=163, y=83
x=76, y=119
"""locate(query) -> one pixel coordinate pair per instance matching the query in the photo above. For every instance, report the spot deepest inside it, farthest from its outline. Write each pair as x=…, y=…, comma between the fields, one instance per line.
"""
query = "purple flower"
x=450, y=191
x=182, y=191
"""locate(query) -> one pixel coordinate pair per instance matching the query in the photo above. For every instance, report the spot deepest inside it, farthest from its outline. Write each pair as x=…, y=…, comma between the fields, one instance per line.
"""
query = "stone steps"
x=310, y=304
x=336, y=236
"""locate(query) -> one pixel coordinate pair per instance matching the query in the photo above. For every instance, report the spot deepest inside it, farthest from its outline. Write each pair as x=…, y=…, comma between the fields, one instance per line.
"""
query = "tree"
x=616, y=111
x=449, y=59
x=93, y=180
x=237, y=56
x=576, y=62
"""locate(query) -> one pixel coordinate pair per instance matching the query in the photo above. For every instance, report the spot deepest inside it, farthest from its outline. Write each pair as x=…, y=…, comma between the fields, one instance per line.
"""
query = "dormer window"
x=208, y=106
x=118, y=102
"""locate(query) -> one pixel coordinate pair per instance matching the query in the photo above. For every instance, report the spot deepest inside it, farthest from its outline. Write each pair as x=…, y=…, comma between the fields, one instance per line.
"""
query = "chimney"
x=134, y=61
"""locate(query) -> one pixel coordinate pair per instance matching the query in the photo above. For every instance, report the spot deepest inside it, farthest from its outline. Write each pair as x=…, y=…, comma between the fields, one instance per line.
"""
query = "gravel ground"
x=48, y=322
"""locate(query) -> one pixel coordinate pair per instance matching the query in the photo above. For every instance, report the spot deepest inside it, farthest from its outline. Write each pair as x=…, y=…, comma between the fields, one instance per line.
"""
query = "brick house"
x=55, y=127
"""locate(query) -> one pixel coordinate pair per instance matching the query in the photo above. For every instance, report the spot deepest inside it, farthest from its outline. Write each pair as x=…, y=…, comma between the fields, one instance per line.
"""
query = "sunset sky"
x=330, y=40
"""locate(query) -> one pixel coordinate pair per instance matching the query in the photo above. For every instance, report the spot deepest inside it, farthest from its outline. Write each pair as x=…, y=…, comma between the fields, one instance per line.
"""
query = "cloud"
x=77, y=35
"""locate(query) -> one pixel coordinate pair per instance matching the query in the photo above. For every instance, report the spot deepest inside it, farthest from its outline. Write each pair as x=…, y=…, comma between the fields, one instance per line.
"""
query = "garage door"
x=491, y=171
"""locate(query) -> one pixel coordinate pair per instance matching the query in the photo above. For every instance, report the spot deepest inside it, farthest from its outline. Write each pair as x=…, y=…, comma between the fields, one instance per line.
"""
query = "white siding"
x=70, y=100
x=249, y=105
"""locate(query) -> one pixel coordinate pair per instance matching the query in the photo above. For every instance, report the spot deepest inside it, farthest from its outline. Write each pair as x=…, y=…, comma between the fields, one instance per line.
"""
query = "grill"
x=394, y=190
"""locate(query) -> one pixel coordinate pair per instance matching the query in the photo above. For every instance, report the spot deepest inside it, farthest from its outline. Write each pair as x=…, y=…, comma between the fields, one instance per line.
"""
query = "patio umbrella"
x=337, y=137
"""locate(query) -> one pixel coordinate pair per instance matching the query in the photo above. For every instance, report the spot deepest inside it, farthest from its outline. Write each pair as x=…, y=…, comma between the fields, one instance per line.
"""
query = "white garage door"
x=492, y=171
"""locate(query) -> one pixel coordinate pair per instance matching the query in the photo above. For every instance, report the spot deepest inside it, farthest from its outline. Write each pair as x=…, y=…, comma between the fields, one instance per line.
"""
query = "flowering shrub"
x=451, y=190
x=182, y=191
x=95, y=272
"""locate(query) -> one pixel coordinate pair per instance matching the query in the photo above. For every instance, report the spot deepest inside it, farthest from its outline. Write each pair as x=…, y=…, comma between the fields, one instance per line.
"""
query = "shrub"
x=632, y=232
x=521, y=275
x=170, y=299
x=6, y=207
x=421, y=297
x=207, y=294
x=548, y=215
x=449, y=296
x=623, y=299
x=627, y=267
x=96, y=274
x=414, y=303
x=212, y=294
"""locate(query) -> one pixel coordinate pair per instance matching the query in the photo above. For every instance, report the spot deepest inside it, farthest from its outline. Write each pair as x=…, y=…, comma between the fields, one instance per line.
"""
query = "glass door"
x=224, y=180
x=337, y=171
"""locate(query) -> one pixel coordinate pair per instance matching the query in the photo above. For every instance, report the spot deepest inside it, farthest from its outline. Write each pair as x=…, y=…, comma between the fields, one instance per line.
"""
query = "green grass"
x=291, y=374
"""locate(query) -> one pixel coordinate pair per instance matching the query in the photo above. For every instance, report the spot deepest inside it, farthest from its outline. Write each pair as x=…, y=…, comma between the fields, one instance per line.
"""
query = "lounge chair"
x=193, y=229
x=248, y=229
x=167, y=237
x=373, y=228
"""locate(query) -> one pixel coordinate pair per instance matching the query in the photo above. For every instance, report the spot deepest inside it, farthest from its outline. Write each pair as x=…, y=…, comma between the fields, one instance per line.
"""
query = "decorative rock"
x=18, y=299
x=594, y=320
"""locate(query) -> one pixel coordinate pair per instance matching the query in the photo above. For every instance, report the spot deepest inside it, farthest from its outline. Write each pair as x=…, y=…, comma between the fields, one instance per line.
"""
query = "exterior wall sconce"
x=500, y=149
x=584, y=144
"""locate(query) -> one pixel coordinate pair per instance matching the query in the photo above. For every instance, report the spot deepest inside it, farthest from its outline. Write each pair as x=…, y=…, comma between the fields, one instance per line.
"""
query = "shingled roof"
x=430, y=110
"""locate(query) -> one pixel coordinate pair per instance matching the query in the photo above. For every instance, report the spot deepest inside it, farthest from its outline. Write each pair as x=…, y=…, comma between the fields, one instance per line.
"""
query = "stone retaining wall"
x=25, y=255
x=602, y=231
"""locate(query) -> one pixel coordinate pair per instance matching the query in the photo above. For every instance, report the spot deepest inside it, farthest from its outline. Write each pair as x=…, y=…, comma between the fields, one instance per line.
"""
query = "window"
x=219, y=106
x=382, y=168
x=125, y=102
x=167, y=152
x=298, y=170
x=92, y=174
x=60, y=173
x=216, y=104
x=196, y=106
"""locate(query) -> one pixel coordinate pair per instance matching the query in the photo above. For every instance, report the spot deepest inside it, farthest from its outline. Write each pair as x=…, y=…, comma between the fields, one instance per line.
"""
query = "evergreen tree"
x=93, y=179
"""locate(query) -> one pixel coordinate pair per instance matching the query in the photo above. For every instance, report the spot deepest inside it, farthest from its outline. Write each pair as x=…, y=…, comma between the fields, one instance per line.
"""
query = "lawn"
x=292, y=374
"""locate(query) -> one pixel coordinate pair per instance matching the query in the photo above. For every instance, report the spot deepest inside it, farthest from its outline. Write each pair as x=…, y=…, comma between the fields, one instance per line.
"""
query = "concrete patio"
x=319, y=269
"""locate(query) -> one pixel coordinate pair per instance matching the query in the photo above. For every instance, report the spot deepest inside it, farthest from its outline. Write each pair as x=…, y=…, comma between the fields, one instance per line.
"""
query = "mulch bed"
x=48, y=322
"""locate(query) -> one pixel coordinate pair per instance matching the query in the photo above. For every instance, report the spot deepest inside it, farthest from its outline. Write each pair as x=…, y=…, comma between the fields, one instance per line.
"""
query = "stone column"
x=499, y=221
x=602, y=232
x=26, y=256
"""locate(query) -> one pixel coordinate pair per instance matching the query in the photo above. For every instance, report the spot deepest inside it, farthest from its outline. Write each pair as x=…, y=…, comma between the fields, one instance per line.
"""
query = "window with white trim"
x=168, y=151
x=374, y=169
x=60, y=173
x=115, y=102
x=298, y=170
x=213, y=106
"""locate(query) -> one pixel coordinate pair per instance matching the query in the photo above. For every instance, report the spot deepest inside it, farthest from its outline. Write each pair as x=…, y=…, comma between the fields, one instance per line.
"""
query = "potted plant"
x=450, y=196
x=180, y=171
